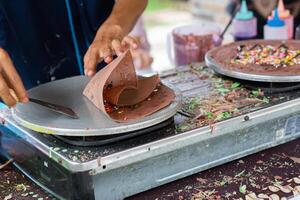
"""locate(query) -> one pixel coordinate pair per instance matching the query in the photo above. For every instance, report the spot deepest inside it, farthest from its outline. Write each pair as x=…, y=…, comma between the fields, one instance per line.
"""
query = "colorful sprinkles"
x=267, y=55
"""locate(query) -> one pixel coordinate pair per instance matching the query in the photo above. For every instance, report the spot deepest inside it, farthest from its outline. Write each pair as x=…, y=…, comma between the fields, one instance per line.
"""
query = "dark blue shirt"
x=47, y=39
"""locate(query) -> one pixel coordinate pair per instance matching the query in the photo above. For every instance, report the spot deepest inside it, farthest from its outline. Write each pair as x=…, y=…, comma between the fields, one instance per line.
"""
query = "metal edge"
x=19, y=130
x=194, y=136
x=111, y=131
x=225, y=159
x=37, y=182
x=31, y=126
x=210, y=62
x=181, y=140
x=168, y=144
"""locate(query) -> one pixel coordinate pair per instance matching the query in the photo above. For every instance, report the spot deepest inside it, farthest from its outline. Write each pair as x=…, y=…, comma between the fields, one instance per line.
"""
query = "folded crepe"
x=123, y=96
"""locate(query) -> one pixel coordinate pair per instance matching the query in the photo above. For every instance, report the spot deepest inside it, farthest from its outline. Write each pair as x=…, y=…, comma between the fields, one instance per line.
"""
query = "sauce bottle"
x=275, y=29
x=286, y=16
x=244, y=24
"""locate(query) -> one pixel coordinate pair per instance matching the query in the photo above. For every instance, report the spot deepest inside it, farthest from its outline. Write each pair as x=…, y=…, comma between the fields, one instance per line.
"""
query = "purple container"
x=189, y=44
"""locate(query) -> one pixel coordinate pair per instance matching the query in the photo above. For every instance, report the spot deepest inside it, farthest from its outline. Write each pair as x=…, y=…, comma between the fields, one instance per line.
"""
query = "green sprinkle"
x=240, y=174
x=209, y=115
x=236, y=110
x=223, y=115
x=266, y=100
x=182, y=127
x=20, y=187
x=223, y=90
x=255, y=93
x=223, y=182
x=193, y=104
x=243, y=189
x=56, y=149
x=235, y=85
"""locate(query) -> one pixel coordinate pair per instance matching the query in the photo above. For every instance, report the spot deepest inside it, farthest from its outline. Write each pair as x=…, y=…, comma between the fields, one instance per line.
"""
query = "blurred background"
x=161, y=16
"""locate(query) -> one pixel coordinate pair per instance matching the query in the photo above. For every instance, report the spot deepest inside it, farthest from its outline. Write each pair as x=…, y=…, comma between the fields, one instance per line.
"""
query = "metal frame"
x=125, y=173
x=166, y=145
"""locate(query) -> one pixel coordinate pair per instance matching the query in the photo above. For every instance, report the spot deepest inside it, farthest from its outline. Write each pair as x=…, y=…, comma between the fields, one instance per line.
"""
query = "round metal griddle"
x=220, y=69
x=91, y=122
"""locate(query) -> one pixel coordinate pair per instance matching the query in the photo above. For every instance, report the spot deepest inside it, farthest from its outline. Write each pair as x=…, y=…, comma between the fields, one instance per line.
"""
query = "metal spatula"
x=56, y=108
x=50, y=106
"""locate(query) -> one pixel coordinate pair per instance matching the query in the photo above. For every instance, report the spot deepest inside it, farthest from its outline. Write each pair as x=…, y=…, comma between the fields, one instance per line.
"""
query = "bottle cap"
x=282, y=12
x=244, y=13
x=275, y=21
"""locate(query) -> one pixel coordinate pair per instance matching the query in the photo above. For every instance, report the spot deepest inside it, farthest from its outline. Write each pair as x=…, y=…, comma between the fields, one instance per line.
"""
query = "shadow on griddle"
x=267, y=87
x=149, y=133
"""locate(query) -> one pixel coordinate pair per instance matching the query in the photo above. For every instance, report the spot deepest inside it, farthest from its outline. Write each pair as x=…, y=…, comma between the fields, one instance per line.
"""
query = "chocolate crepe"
x=223, y=56
x=118, y=92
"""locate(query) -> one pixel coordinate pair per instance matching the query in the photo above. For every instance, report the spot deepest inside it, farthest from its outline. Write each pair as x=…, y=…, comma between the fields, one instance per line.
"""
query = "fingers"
x=148, y=60
x=13, y=94
x=95, y=54
x=91, y=60
x=107, y=54
x=117, y=46
x=11, y=77
x=5, y=95
x=143, y=57
x=104, y=49
x=130, y=42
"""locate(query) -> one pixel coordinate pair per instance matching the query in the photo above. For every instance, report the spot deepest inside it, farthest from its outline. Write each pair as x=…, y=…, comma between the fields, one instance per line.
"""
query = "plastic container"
x=189, y=44
x=285, y=15
x=275, y=29
x=244, y=24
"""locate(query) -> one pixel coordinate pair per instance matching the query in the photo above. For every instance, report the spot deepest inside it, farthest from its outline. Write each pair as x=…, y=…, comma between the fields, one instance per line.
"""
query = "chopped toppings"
x=109, y=107
x=225, y=99
x=267, y=55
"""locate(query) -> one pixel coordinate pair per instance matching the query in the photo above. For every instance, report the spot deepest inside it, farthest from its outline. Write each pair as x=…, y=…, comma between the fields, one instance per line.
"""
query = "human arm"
x=10, y=82
x=112, y=37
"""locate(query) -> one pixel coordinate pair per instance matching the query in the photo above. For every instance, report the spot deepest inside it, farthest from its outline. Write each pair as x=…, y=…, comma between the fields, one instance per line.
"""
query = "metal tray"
x=91, y=122
x=220, y=69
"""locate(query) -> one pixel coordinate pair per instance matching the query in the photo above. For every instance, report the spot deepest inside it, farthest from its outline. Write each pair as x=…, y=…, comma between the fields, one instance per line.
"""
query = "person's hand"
x=142, y=58
x=109, y=41
x=10, y=82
